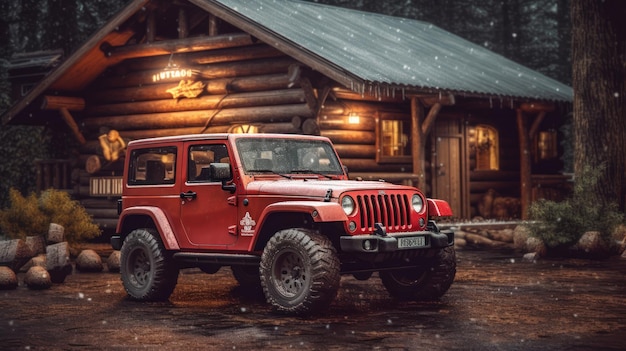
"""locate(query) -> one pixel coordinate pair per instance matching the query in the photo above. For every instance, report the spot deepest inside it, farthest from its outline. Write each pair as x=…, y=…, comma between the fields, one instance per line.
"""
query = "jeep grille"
x=390, y=210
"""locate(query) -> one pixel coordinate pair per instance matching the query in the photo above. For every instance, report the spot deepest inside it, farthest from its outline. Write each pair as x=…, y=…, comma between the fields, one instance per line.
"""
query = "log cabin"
x=401, y=99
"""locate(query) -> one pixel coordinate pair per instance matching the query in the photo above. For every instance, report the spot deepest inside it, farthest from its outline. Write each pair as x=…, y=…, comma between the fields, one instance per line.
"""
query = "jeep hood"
x=318, y=188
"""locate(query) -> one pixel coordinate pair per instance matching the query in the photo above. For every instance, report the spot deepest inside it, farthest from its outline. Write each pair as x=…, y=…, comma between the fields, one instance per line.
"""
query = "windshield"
x=281, y=156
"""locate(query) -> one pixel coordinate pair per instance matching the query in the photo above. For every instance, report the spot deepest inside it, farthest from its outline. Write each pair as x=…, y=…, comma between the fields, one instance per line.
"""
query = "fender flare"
x=319, y=211
x=438, y=208
x=160, y=220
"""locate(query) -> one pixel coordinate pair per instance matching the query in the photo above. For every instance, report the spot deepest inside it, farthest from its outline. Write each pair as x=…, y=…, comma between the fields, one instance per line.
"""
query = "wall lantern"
x=353, y=118
x=173, y=72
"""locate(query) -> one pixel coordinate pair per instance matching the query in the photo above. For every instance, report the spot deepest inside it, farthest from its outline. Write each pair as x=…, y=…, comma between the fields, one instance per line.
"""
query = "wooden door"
x=448, y=163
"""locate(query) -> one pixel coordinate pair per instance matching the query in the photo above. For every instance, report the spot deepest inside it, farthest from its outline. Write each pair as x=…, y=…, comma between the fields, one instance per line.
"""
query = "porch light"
x=173, y=72
x=353, y=118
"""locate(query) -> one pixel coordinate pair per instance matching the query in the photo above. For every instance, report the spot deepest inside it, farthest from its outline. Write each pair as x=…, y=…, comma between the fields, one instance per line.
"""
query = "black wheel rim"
x=290, y=274
x=140, y=268
x=408, y=277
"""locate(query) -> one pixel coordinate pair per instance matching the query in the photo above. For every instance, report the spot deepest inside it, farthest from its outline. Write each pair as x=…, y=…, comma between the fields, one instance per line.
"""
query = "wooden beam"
x=525, y=162
x=441, y=99
x=71, y=103
x=151, y=26
x=418, y=144
x=183, y=27
x=429, y=122
x=67, y=117
x=537, y=106
x=536, y=123
x=177, y=46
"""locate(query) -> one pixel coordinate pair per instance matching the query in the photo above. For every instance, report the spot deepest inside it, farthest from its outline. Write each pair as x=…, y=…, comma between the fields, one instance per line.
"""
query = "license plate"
x=414, y=241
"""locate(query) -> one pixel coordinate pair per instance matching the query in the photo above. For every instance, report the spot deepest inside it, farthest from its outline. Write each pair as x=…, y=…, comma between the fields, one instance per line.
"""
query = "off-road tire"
x=247, y=276
x=427, y=283
x=147, y=269
x=299, y=272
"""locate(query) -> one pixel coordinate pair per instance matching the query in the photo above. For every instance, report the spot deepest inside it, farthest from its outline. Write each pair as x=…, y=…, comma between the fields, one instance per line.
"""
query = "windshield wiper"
x=311, y=172
x=267, y=171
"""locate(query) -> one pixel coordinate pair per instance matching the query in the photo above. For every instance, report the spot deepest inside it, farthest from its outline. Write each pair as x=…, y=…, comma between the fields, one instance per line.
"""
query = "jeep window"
x=200, y=157
x=281, y=156
x=152, y=166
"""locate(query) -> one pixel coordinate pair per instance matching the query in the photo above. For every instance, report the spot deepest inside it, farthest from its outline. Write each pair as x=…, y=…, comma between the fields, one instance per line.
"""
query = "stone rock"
x=38, y=278
x=520, y=236
x=536, y=245
x=531, y=256
x=37, y=244
x=56, y=234
x=8, y=278
x=113, y=262
x=14, y=253
x=58, y=261
x=459, y=242
x=592, y=244
x=39, y=260
x=89, y=261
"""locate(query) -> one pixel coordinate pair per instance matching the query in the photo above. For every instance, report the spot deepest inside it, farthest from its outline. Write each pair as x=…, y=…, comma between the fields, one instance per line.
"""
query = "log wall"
x=250, y=84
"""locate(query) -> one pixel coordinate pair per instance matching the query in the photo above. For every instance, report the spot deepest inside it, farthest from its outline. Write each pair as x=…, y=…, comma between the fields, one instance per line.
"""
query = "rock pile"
x=46, y=260
x=517, y=237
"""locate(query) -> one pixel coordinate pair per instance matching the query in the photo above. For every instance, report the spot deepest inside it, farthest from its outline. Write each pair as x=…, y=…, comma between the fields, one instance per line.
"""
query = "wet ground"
x=498, y=302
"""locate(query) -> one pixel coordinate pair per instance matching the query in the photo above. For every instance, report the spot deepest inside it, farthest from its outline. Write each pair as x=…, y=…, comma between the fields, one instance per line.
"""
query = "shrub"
x=32, y=216
x=561, y=224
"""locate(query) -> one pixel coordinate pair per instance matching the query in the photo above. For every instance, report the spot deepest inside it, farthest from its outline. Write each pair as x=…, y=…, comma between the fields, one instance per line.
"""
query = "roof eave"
x=40, y=88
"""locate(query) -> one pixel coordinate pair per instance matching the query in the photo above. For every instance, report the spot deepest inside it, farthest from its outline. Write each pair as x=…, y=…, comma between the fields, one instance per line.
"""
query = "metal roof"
x=368, y=51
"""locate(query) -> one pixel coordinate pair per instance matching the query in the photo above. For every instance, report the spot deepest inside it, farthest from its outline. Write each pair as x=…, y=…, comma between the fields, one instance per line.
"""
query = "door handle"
x=190, y=195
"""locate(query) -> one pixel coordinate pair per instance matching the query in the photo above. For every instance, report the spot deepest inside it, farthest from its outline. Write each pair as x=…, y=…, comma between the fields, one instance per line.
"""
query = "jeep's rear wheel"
x=299, y=271
x=148, y=271
x=425, y=283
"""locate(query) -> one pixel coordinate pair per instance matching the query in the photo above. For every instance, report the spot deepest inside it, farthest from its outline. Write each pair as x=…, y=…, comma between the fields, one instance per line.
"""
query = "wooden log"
x=218, y=70
x=356, y=151
x=351, y=137
x=372, y=96
x=106, y=224
x=310, y=127
x=69, y=120
x=102, y=212
x=340, y=122
x=214, y=86
x=58, y=261
x=99, y=203
x=263, y=98
x=482, y=187
x=233, y=54
x=14, y=253
x=97, y=163
x=261, y=114
x=177, y=46
x=153, y=133
x=71, y=103
x=525, y=163
x=345, y=107
x=286, y=128
x=36, y=244
x=370, y=165
x=493, y=176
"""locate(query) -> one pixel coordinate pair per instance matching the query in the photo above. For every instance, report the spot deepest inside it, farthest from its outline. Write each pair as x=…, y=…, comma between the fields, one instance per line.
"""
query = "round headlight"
x=418, y=203
x=347, y=203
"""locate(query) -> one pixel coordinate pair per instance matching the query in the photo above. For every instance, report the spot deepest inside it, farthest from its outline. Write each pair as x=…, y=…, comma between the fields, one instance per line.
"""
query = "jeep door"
x=205, y=211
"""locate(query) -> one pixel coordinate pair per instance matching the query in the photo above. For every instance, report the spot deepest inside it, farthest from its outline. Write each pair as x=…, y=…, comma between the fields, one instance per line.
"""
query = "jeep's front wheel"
x=148, y=271
x=425, y=283
x=299, y=271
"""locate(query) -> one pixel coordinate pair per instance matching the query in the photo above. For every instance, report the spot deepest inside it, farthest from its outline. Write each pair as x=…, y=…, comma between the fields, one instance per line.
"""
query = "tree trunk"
x=599, y=79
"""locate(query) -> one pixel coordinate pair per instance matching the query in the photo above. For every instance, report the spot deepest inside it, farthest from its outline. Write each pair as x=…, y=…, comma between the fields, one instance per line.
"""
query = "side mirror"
x=221, y=172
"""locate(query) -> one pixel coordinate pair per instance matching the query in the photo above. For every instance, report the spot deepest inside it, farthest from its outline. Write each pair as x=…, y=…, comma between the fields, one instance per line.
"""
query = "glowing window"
x=393, y=140
x=486, y=147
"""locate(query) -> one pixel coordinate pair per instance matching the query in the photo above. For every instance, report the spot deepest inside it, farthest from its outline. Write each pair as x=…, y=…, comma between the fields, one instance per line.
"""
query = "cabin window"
x=393, y=139
x=547, y=145
x=152, y=166
x=486, y=148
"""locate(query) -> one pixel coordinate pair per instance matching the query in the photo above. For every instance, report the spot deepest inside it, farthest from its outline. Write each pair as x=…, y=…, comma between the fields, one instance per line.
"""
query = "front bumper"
x=397, y=242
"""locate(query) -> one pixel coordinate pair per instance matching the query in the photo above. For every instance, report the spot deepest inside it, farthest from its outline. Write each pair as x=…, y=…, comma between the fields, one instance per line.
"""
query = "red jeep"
x=281, y=212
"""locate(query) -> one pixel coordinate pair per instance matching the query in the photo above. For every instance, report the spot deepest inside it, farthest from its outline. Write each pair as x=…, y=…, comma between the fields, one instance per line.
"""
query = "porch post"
x=418, y=146
x=525, y=165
